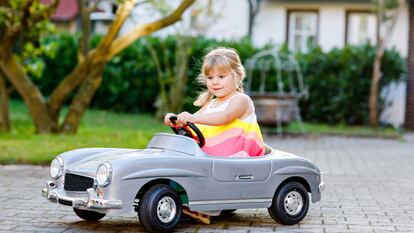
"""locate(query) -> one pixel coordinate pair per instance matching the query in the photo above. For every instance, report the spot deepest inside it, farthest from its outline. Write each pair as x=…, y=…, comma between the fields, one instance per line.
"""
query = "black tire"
x=88, y=215
x=291, y=214
x=152, y=201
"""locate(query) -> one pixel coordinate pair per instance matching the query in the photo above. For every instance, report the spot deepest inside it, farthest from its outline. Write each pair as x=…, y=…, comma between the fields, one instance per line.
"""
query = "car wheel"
x=159, y=209
x=290, y=204
x=88, y=215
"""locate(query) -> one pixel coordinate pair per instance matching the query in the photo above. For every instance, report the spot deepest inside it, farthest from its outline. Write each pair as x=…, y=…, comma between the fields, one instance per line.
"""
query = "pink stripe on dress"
x=230, y=146
x=212, y=141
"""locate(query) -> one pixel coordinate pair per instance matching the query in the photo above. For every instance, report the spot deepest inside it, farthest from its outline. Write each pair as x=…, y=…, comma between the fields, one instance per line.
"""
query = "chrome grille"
x=75, y=182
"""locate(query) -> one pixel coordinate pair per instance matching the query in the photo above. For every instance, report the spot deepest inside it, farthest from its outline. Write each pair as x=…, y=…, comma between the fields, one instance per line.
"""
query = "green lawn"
x=98, y=129
x=107, y=129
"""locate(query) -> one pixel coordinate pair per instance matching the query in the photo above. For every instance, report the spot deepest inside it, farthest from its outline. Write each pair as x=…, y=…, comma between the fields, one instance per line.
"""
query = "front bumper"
x=91, y=202
x=321, y=186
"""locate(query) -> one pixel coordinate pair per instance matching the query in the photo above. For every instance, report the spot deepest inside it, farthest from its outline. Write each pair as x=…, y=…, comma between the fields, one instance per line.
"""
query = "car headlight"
x=104, y=174
x=56, y=167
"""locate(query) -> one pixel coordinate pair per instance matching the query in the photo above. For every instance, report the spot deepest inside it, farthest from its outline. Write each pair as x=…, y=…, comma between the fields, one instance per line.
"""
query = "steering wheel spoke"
x=189, y=130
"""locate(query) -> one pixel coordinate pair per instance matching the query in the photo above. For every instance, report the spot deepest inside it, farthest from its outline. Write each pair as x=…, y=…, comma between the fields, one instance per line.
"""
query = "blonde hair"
x=224, y=60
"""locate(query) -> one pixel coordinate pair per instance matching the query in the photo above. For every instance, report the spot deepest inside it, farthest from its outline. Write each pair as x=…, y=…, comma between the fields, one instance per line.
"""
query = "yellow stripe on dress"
x=211, y=131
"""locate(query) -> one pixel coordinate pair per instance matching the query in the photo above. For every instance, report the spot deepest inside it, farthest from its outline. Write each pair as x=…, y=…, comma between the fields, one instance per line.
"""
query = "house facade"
x=327, y=23
x=65, y=16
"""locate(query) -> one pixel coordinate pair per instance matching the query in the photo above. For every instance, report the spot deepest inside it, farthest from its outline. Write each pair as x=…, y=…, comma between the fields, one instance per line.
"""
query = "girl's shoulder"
x=245, y=96
x=202, y=108
x=238, y=99
x=244, y=103
x=242, y=98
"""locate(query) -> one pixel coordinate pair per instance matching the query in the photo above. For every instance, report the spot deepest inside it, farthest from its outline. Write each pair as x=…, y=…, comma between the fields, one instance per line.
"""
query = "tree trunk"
x=74, y=79
x=30, y=94
x=13, y=70
x=373, y=97
x=82, y=100
x=81, y=72
x=180, y=75
x=387, y=18
x=161, y=103
x=4, y=105
x=172, y=80
x=87, y=73
x=142, y=30
x=254, y=7
x=86, y=30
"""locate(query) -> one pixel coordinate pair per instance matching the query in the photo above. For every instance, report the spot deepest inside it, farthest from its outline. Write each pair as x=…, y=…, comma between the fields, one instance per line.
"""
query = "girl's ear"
x=238, y=78
x=235, y=76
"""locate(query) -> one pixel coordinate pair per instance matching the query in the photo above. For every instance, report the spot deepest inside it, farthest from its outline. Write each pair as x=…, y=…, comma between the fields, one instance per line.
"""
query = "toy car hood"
x=162, y=146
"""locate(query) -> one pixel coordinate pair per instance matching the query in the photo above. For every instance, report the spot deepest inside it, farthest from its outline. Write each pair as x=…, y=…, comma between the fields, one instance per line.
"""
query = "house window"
x=104, y=10
x=361, y=28
x=302, y=29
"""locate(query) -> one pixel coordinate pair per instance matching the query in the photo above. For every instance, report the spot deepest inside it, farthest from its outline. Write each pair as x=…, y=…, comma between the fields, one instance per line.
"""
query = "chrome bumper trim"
x=91, y=202
x=321, y=186
x=239, y=201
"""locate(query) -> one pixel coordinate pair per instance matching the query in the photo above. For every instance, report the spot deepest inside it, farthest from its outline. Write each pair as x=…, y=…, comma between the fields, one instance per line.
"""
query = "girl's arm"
x=167, y=121
x=238, y=106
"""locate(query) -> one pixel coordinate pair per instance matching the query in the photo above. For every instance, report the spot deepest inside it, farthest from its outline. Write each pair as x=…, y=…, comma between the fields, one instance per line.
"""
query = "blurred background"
x=90, y=73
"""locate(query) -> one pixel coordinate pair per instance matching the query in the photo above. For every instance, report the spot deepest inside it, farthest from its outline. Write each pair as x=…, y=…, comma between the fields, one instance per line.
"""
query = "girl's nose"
x=215, y=80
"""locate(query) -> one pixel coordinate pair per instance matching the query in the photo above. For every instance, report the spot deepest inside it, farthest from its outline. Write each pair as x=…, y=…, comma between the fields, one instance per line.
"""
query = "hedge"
x=338, y=80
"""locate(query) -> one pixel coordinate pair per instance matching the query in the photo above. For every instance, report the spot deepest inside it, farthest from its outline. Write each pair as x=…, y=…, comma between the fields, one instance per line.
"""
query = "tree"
x=387, y=13
x=173, y=77
x=4, y=107
x=254, y=7
x=23, y=21
x=85, y=77
x=85, y=9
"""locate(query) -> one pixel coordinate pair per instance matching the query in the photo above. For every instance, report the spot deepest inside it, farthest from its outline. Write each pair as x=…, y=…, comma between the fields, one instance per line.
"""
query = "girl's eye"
x=221, y=76
x=209, y=77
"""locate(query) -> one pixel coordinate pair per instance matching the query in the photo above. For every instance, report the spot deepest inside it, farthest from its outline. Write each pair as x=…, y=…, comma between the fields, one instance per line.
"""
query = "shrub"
x=60, y=65
x=130, y=78
x=338, y=80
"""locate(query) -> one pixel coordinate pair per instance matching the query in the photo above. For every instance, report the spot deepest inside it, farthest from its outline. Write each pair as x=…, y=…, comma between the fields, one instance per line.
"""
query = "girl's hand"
x=185, y=117
x=167, y=121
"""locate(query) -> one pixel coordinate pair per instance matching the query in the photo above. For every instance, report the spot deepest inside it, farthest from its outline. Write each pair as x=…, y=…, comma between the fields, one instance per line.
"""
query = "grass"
x=98, y=129
x=108, y=129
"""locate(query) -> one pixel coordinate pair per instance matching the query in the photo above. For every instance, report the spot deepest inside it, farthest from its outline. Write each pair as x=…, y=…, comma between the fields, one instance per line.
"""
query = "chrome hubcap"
x=293, y=203
x=166, y=209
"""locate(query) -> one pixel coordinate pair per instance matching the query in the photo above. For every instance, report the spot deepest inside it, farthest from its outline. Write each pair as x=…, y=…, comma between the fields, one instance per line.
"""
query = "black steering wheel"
x=185, y=131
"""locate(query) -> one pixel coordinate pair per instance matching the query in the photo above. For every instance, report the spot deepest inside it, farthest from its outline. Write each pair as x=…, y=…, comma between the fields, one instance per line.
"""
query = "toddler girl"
x=226, y=117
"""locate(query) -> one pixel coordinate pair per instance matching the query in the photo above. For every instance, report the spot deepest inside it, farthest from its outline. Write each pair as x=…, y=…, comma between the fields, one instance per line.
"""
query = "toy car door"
x=243, y=177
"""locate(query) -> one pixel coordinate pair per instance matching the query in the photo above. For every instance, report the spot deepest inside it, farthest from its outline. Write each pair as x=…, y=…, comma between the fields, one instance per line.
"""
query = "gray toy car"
x=173, y=171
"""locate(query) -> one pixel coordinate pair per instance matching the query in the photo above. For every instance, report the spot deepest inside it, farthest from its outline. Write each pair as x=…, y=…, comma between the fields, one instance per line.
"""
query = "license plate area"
x=65, y=202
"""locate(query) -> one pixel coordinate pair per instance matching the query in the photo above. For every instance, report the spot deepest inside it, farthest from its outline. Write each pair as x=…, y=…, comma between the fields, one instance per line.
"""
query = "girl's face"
x=221, y=84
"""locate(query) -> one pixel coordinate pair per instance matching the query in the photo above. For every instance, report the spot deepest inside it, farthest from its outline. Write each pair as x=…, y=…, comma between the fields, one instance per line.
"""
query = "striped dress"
x=239, y=138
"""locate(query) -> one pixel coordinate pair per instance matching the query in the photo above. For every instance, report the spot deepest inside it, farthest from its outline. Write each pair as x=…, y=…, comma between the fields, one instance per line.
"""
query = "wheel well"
x=173, y=184
x=297, y=179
